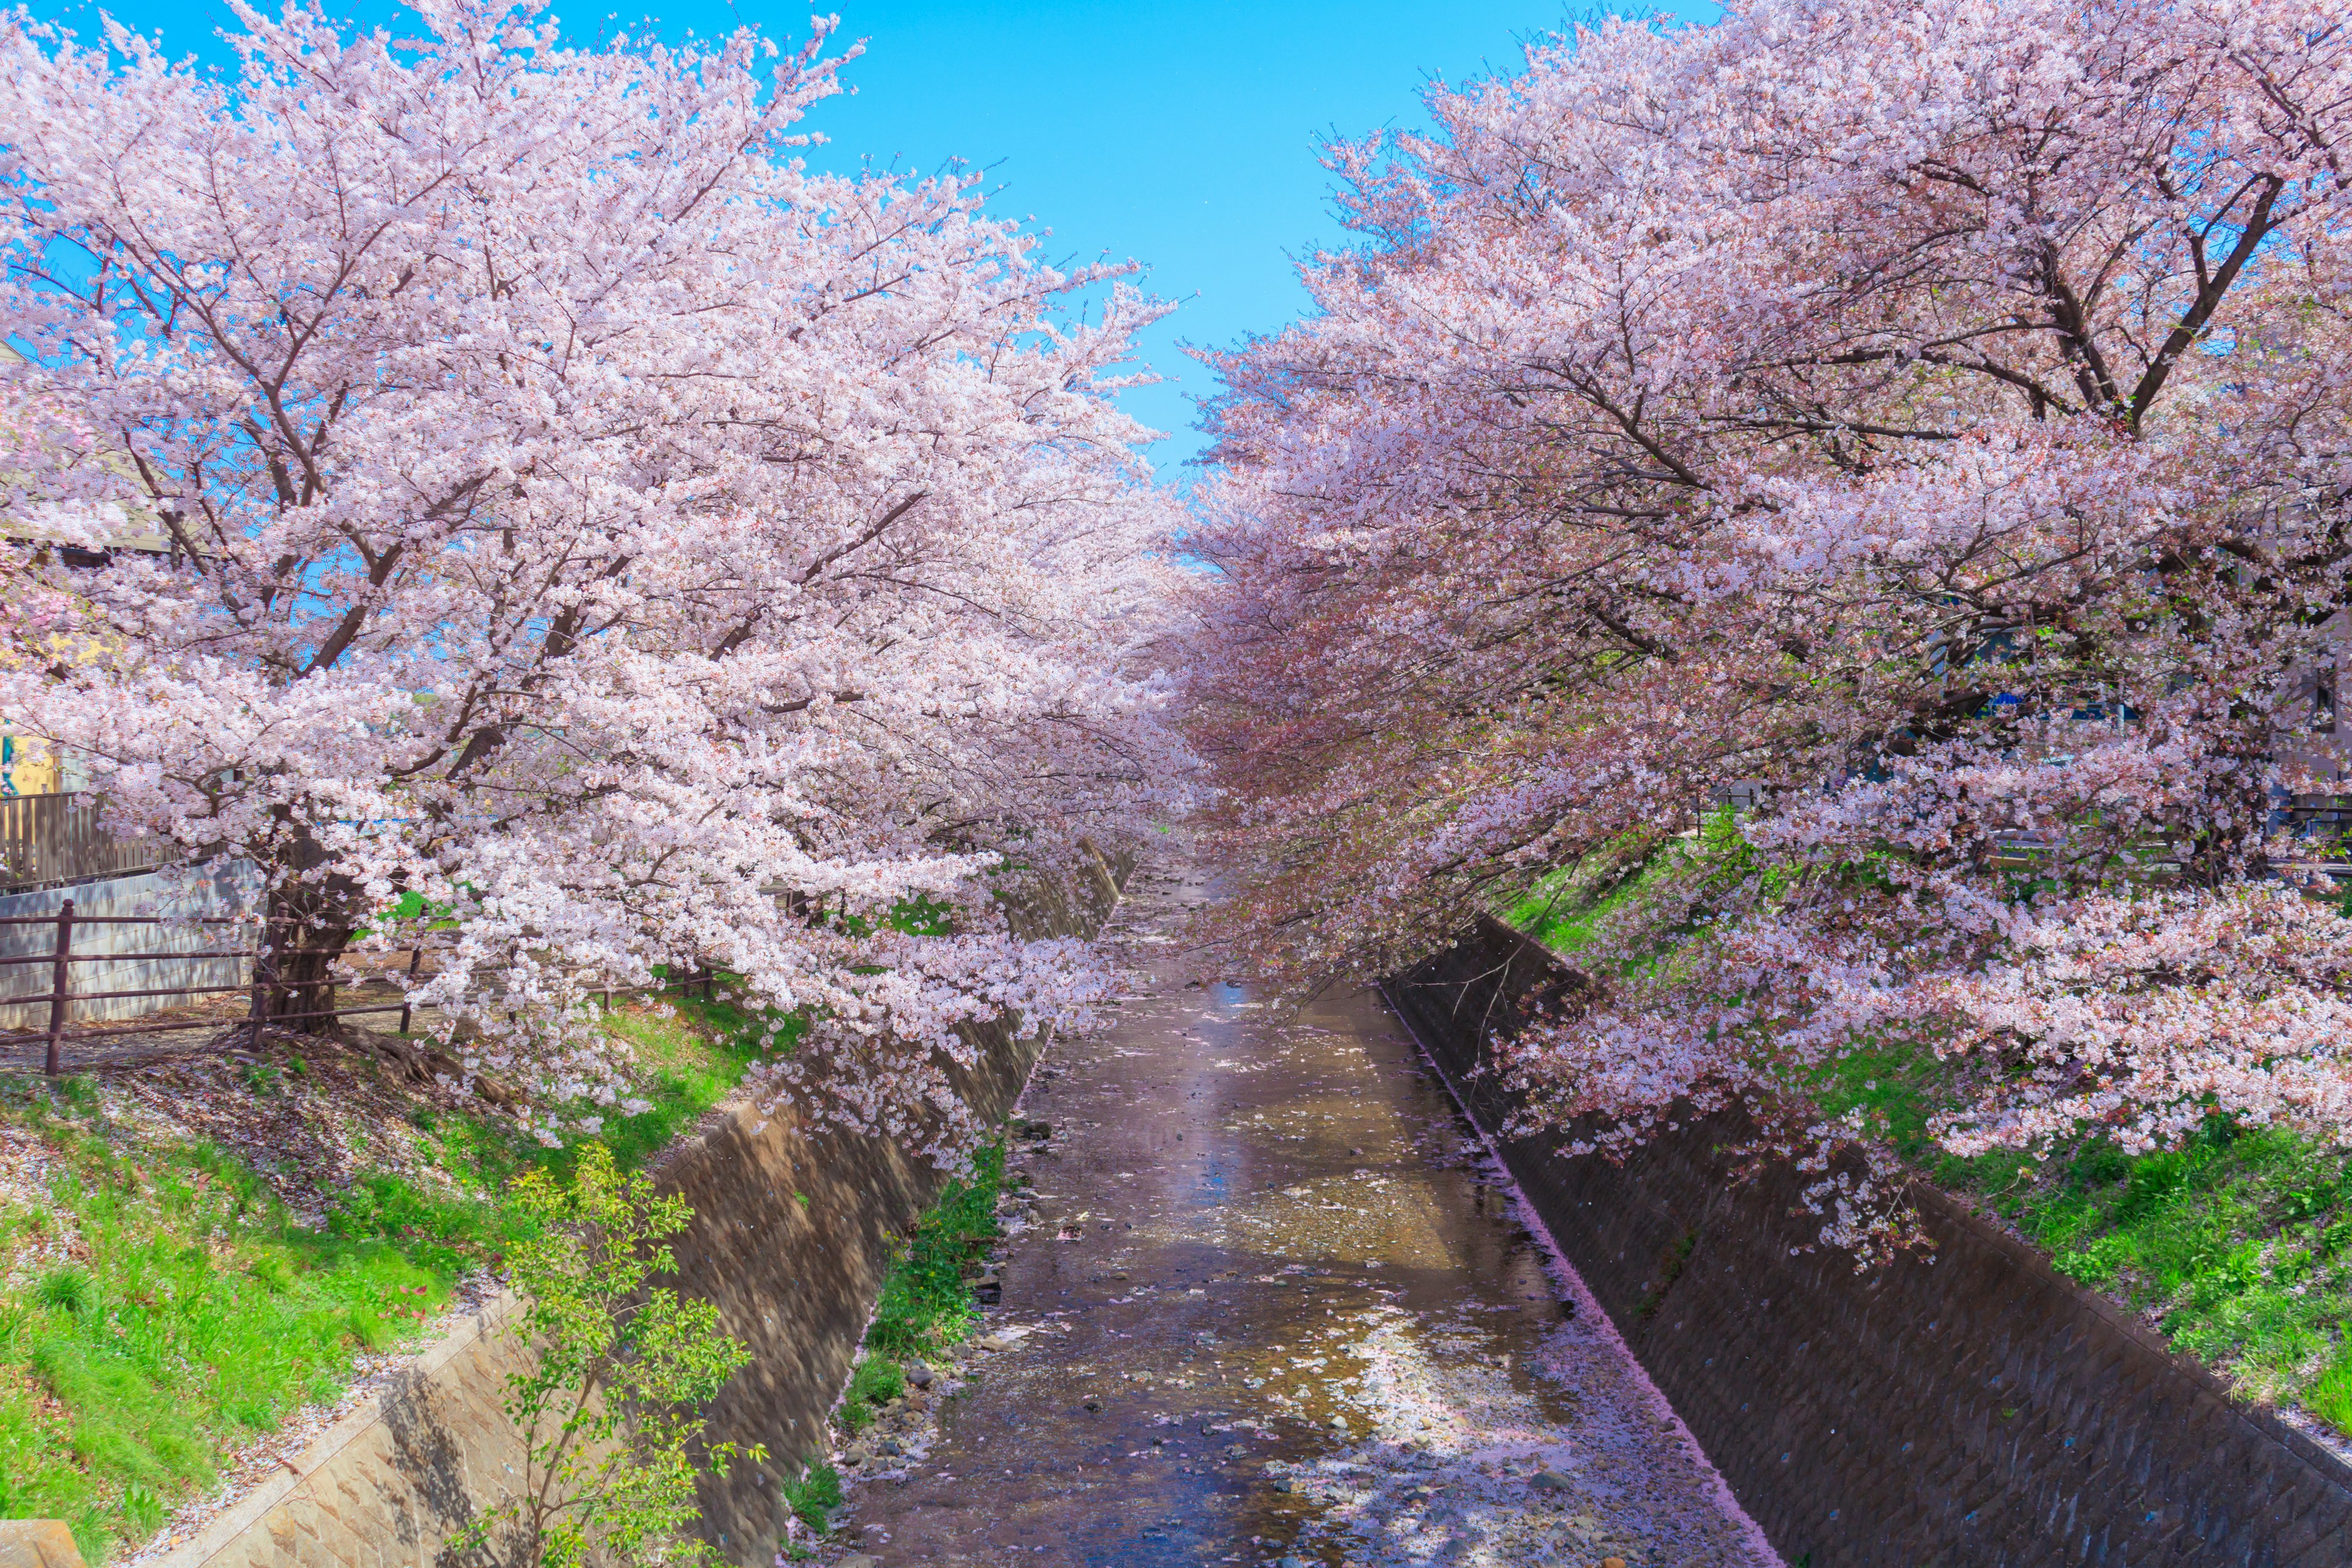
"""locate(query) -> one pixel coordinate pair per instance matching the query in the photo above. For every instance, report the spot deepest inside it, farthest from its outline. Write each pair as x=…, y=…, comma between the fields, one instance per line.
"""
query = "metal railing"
x=62, y=958
x=53, y=840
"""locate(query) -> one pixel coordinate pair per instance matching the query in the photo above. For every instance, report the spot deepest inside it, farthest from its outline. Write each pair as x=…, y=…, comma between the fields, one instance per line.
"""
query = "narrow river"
x=1272, y=1304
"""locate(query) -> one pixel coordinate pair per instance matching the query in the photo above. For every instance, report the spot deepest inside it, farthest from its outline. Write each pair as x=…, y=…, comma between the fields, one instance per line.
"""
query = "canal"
x=1267, y=1299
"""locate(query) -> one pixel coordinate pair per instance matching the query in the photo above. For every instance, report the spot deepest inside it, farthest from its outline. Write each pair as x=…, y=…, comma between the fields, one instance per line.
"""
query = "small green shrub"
x=2154, y=1179
x=2096, y=1264
x=143, y=1509
x=815, y=1496
x=611, y=1411
x=2311, y=1202
x=2101, y=1164
x=877, y=1381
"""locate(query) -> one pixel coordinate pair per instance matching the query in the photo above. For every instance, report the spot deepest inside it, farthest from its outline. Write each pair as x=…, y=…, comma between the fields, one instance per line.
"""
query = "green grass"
x=690, y=1055
x=2239, y=1246
x=815, y=1496
x=1563, y=909
x=877, y=1380
x=197, y=1316
x=197, y=1312
x=1568, y=910
x=926, y=1305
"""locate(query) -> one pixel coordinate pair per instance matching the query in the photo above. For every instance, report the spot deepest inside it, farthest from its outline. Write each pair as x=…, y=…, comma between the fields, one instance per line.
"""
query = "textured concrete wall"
x=385, y=1486
x=795, y=1281
x=37, y=1543
x=1975, y=1412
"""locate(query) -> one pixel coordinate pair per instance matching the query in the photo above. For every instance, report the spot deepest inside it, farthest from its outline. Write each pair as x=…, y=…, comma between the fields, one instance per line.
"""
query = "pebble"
x=859, y=1560
x=1552, y=1481
x=920, y=1375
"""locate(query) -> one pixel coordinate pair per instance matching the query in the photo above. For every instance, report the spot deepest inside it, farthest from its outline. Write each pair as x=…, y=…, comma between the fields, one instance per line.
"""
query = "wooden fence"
x=51, y=840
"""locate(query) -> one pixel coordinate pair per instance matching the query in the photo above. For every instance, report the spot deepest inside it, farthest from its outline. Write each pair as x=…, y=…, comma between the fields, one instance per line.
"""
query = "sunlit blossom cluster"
x=653, y=553
x=1921, y=425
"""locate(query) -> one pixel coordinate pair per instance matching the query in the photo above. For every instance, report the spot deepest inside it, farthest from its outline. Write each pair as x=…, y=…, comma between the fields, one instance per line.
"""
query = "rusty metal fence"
x=62, y=994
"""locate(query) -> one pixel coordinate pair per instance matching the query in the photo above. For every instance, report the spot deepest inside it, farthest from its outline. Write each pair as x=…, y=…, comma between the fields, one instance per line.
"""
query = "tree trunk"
x=307, y=927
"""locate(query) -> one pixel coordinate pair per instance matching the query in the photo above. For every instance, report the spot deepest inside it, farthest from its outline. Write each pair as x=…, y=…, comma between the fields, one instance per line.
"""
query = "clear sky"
x=1178, y=134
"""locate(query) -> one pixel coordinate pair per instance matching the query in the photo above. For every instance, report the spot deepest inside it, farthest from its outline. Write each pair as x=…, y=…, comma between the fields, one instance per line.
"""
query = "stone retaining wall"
x=1976, y=1412
x=794, y=1279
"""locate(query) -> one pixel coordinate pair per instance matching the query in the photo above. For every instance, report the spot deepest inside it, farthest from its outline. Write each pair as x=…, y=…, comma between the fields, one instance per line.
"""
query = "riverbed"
x=1268, y=1299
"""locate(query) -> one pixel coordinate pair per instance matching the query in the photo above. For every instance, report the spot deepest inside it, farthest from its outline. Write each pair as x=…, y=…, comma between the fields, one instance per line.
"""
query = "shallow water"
x=1281, y=1304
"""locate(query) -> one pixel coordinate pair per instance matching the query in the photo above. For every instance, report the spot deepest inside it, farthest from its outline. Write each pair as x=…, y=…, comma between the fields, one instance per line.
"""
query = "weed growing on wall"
x=926, y=1303
x=611, y=1408
x=874, y=1383
x=813, y=1497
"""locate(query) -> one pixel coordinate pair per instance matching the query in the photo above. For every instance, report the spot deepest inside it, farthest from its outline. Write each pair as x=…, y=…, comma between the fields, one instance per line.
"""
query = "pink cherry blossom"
x=583, y=515
x=1928, y=421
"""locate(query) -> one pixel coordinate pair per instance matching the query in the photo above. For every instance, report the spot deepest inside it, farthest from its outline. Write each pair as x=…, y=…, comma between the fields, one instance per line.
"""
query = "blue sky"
x=1180, y=134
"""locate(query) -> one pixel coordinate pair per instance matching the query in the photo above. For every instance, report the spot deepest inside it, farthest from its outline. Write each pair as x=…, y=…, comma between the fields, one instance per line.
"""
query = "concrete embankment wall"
x=794, y=1279
x=1978, y=1411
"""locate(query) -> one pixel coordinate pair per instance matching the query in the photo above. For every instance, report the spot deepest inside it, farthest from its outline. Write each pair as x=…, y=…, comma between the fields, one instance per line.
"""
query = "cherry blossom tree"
x=641, y=547
x=1926, y=424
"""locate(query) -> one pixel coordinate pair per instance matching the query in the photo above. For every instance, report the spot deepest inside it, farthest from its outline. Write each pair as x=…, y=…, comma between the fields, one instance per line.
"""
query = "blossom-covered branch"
x=646, y=550
x=1928, y=421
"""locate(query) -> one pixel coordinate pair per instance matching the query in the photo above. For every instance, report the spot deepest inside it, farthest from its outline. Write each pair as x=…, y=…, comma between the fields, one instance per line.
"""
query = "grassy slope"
x=2238, y=1247
x=163, y=1307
